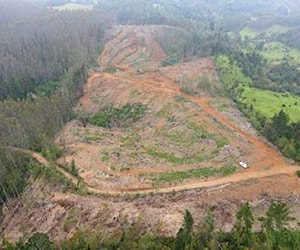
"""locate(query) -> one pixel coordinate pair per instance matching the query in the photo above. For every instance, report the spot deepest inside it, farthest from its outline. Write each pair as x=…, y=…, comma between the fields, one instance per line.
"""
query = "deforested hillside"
x=150, y=125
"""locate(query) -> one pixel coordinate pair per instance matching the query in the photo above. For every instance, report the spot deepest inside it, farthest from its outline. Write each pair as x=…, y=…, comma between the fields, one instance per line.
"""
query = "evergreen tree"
x=184, y=235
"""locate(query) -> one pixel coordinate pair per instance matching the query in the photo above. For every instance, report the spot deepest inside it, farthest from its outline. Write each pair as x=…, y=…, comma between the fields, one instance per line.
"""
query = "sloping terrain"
x=172, y=141
x=180, y=138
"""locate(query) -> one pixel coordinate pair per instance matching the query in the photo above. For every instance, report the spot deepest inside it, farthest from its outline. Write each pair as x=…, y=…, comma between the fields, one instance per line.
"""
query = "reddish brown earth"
x=114, y=182
x=155, y=88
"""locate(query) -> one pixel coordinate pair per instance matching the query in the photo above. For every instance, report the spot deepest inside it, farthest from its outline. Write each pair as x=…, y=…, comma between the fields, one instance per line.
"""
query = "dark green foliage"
x=39, y=241
x=198, y=41
x=145, y=12
x=36, y=54
x=242, y=232
x=277, y=217
x=171, y=60
x=291, y=38
x=13, y=174
x=250, y=63
x=286, y=76
x=275, y=235
x=184, y=236
x=52, y=151
x=47, y=88
x=110, y=70
x=283, y=134
x=74, y=170
x=279, y=130
x=203, y=236
x=110, y=117
x=77, y=242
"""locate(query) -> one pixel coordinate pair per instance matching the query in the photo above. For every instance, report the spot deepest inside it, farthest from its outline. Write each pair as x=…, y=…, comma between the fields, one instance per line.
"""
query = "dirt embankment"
x=156, y=87
x=136, y=58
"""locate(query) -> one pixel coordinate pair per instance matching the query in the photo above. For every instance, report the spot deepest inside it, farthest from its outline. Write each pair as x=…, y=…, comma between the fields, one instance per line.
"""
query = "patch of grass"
x=195, y=173
x=71, y=220
x=110, y=117
x=298, y=173
x=228, y=170
x=52, y=175
x=110, y=70
x=276, y=29
x=221, y=142
x=52, y=152
x=171, y=60
x=180, y=98
x=172, y=158
x=180, y=138
x=269, y=103
x=187, y=89
x=73, y=169
x=247, y=33
x=200, y=131
x=230, y=74
x=94, y=137
x=275, y=52
x=104, y=156
x=129, y=140
x=166, y=110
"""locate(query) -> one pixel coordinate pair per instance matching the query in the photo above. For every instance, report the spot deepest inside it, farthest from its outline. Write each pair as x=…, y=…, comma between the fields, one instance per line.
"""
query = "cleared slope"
x=179, y=132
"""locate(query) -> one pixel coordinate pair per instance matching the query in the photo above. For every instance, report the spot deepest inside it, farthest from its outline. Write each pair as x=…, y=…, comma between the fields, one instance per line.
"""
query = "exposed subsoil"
x=121, y=197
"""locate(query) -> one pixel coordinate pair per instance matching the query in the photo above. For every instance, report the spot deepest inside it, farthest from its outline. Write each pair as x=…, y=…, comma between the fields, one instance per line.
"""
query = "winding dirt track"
x=247, y=175
x=135, y=40
x=267, y=160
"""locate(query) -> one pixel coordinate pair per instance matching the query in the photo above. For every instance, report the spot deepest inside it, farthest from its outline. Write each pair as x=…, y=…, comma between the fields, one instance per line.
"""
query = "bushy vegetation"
x=278, y=121
x=195, y=173
x=171, y=60
x=259, y=101
x=44, y=58
x=13, y=174
x=110, y=117
x=274, y=234
x=110, y=70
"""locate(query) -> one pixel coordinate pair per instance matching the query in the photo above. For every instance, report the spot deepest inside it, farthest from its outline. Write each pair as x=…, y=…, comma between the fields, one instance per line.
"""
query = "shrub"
x=110, y=70
x=110, y=117
x=171, y=60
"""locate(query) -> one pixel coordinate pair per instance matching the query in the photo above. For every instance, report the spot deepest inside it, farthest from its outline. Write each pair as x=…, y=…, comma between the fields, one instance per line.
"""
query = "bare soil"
x=117, y=169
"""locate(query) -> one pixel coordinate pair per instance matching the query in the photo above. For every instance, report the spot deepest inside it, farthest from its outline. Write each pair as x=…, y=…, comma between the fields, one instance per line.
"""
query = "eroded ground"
x=187, y=143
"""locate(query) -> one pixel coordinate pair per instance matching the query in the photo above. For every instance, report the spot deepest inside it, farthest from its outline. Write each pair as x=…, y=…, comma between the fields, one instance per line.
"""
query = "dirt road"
x=247, y=175
x=125, y=51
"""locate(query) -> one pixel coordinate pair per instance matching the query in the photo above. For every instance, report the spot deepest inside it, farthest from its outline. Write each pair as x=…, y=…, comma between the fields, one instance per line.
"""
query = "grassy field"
x=230, y=73
x=195, y=173
x=269, y=103
x=252, y=34
x=73, y=7
x=276, y=29
x=265, y=102
x=275, y=52
x=248, y=32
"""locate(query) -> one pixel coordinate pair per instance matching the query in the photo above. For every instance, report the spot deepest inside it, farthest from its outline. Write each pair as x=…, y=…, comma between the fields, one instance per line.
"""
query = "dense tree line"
x=35, y=51
x=13, y=174
x=196, y=40
x=281, y=77
x=44, y=60
x=284, y=134
x=18, y=10
x=175, y=13
x=274, y=234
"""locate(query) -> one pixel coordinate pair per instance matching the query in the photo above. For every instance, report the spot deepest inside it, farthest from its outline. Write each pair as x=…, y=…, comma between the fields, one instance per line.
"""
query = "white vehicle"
x=243, y=164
